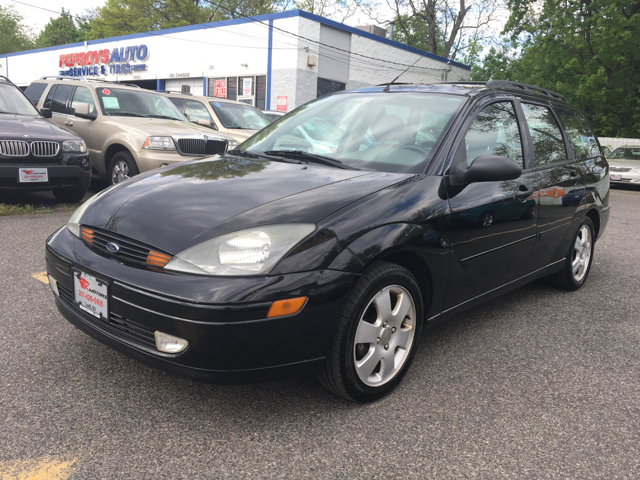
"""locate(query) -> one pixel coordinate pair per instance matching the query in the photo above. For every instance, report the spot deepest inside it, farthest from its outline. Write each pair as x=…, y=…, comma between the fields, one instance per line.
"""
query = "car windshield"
x=391, y=132
x=14, y=102
x=234, y=115
x=625, y=153
x=134, y=103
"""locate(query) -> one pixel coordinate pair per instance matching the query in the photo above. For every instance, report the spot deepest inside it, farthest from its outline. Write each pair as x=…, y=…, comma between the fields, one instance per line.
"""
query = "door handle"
x=524, y=192
x=69, y=123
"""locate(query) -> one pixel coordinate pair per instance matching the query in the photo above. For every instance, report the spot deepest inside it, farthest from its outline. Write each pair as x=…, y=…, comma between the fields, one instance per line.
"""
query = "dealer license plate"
x=91, y=295
x=27, y=175
x=616, y=177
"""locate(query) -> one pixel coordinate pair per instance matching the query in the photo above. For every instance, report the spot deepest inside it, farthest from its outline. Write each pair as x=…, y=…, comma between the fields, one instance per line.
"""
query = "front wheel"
x=121, y=168
x=578, y=260
x=377, y=335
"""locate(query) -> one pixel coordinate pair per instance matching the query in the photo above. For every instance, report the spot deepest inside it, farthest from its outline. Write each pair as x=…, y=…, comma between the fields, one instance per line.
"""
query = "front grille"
x=128, y=251
x=14, y=148
x=620, y=169
x=116, y=325
x=45, y=149
x=197, y=146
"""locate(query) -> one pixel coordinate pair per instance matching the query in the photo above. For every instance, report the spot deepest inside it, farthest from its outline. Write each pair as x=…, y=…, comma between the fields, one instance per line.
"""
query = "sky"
x=36, y=13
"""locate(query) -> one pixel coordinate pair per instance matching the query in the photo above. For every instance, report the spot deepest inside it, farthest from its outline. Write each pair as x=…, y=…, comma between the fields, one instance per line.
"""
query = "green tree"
x=60, y=31
x=15, y=36
x=587, y=50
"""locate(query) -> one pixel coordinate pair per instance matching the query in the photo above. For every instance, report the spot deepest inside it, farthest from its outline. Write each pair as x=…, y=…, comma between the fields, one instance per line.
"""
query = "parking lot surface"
x=540, y=383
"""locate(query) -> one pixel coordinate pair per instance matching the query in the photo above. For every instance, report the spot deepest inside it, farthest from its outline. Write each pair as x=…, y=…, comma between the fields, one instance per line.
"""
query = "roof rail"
x=128, y=84
x=63, y=77
x=175, y=91
x=526, y=87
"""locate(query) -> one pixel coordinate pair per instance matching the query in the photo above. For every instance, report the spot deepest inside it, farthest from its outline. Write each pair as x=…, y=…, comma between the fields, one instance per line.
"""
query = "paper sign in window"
x=110, y=103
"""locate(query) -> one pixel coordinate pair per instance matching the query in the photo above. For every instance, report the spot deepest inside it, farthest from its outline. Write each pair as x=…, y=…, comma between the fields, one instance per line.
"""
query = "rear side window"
x=494, y=132
x=548, y=145
x=580, y=133
x=35, y=91
x=57, y=98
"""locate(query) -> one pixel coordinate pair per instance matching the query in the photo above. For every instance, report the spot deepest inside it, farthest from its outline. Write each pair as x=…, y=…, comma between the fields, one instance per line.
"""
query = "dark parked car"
x=275, y=259
x=37, y=155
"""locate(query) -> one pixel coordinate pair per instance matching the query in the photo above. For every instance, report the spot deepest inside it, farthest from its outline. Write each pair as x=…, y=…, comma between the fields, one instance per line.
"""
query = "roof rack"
x=526, y=87
x=63, y=77
x=175, y=91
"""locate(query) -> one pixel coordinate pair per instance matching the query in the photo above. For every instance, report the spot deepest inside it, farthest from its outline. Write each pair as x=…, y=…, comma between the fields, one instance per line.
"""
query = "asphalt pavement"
x=538, y=384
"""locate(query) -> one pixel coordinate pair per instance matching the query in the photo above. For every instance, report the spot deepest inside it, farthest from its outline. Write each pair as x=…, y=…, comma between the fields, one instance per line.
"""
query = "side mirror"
x=82, y=111
x=45, y=112
x=206, y=123
x=487, y=168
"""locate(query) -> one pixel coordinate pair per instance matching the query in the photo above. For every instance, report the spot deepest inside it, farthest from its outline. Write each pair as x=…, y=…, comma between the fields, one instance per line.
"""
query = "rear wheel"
x=377, y=335
x=121, y=168
x=69, y=195
x=578, y=260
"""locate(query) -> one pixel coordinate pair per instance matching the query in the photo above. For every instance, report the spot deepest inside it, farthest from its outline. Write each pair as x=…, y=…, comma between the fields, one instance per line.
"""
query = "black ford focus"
x=331, y=238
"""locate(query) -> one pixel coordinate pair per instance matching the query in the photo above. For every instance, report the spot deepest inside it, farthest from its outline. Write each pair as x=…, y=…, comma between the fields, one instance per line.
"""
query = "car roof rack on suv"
x=509, y=84
x=175, y=91
x=83, y=79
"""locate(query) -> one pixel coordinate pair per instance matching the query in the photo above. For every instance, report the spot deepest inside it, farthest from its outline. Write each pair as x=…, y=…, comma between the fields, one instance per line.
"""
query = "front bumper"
x=224, y=319
x=60, y=176
x=624, y=178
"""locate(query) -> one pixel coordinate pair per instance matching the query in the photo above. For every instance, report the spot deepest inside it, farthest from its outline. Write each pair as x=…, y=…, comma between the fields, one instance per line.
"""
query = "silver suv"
x=127, y=129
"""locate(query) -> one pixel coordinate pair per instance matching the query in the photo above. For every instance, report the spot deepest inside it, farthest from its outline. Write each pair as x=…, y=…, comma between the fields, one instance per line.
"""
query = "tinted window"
x=326, y=87
x=82, y=95
x=580, y=133
x=35, y=91
x=548, y=145
x=494, y=132
x=60, y=98
x=178, y=102
x=47, y=101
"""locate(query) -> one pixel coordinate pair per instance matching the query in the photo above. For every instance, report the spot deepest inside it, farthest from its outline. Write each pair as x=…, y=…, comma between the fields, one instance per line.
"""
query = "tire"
x=486, y=219
x=69, y=195
x=121, y=168
x=578, y=260
x=368, y=370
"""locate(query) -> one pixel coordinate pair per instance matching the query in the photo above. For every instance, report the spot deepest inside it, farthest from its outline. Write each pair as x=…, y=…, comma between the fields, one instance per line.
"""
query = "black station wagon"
x=331, y=238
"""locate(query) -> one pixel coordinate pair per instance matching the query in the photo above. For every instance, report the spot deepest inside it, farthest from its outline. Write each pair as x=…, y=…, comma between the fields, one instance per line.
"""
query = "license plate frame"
x=91, y=294
x=615, y=177
x=32, y=174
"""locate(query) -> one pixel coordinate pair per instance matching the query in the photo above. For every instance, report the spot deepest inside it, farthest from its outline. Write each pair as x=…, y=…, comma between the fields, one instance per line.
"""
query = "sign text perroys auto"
x=119, y=61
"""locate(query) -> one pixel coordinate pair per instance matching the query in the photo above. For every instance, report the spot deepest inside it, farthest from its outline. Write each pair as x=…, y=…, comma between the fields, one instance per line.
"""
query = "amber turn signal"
x=157, y=259
x=290, y=306
x=87, y=235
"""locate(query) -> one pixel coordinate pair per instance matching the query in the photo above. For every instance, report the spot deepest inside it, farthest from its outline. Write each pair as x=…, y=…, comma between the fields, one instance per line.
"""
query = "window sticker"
x=111, y=103
x=106, y=91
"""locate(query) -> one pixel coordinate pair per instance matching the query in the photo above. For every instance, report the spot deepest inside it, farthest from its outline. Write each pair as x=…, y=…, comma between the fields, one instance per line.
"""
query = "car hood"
x=623, y=163
x=174, y=208
x=14, y=127
x=163, y=127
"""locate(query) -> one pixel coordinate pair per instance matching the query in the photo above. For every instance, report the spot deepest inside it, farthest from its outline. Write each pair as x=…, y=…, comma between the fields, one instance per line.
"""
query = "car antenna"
x=386, y=89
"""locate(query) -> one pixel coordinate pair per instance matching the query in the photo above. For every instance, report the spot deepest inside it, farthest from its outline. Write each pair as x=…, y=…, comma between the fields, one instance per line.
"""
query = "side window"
x=82, y=95
x=47, y=101
x=495, y=131
x=178, y=102
x=60, y=97
x=548, y=145
x=35, y=91
x=196, y=110
x=580, y=133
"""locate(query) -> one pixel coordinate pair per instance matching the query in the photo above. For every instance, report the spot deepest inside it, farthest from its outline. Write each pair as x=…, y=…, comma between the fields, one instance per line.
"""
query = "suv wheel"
x=121, y=168
x=69, y=195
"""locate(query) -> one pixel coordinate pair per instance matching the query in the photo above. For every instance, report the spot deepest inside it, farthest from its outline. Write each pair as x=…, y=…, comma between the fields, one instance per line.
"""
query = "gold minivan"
x=127, y=129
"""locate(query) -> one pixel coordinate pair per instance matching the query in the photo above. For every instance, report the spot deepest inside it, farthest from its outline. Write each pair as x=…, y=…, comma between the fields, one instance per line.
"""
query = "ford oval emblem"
x=112, y=247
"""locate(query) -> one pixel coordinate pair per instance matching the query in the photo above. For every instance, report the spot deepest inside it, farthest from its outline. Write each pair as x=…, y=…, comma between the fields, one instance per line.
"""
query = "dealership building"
x=274, y=62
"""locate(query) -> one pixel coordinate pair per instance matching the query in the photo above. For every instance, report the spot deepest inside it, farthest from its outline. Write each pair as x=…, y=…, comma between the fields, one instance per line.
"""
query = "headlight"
x=77, y=146
x=253, y=251
x=74, y=222
x=634, y=170
x=232, y=144
x=159, y=143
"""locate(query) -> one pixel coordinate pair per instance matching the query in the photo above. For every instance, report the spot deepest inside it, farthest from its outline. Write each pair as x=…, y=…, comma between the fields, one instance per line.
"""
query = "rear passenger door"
x=561, y=177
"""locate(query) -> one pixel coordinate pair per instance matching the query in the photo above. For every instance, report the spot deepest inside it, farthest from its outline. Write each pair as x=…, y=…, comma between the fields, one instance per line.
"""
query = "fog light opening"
x=283, y=308
x=54, y=285
x=168, y=343
x=164, y=165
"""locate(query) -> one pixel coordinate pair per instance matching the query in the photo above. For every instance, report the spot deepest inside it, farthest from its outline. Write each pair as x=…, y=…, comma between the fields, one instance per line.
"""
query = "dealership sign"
x=118, y=61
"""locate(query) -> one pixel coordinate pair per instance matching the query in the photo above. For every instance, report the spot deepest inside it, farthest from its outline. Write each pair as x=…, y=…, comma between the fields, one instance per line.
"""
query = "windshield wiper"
x=244, y=153
x=162, y=116
x=310, y=157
